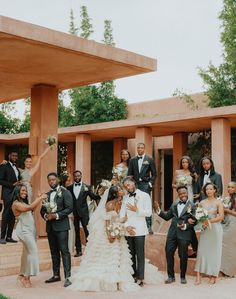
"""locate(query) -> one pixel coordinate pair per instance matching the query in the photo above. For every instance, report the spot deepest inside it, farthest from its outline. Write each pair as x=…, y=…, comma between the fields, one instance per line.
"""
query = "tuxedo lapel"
x=136, y=164
x=143, y=164
x=81, y=191
x=176, y=210
x=187, y=205
x=12, y=171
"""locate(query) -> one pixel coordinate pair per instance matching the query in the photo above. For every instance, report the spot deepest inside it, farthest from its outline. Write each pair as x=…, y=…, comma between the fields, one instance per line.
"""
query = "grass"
x=4, y=297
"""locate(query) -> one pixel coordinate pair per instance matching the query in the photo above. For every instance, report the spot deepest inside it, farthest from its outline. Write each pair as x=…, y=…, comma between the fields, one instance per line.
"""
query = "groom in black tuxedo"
x=80, y=191
x=143, y=170
x=9, y=177
x=57, y=227
x=179, y=234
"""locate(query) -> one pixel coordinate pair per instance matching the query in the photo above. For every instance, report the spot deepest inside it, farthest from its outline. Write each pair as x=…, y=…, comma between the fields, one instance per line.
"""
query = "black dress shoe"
x=3, y=241
x=141, y=283
x=10, y=240
x=53, y=279
x=78, y=254
x=169, y=280
x=67, y=282
x=183, y=280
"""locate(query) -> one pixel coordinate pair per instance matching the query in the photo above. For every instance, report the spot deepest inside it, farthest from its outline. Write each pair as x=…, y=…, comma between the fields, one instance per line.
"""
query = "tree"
x=86, y=27
x=73, y=29
x=221, y=81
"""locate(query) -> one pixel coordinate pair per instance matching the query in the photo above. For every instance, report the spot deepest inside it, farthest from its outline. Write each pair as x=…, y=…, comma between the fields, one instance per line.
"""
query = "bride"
x=106, y=264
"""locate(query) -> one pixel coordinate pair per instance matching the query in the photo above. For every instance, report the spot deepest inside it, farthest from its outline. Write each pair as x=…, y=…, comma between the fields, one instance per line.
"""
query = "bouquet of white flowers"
x=202, y=217
x=51, y=140
x=225, y=201
x=182, y=181
x=116, y=230
x=50, y=206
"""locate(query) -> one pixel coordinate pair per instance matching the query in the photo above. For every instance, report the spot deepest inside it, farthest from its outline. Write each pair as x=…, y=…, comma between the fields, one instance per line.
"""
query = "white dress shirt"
x=140, y=163
x=206, y=178
x=77, y=189
x=15, y=170
x=180, y=208
x=137, y=219
x=53, y=194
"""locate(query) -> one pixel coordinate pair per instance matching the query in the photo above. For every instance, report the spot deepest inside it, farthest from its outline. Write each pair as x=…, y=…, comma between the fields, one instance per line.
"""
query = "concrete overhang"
x=163, y=125
x=33, y=55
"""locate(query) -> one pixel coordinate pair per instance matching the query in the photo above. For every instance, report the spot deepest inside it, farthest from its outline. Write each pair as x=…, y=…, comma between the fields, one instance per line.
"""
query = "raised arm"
x=35, y=168
x=19, y=207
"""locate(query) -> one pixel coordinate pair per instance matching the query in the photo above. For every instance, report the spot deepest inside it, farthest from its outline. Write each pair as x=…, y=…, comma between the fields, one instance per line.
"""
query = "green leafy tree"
x=86, y=27
x=73, y=29
x=220, y=81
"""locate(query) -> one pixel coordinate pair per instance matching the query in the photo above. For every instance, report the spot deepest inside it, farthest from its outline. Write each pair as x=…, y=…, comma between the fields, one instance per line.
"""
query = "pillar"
x=83, y=156
x=44, y=122
x=118, y=145
x=2, y=152
x=180, y=144
x=144, y=135
x=70, y=165
x=221, y=148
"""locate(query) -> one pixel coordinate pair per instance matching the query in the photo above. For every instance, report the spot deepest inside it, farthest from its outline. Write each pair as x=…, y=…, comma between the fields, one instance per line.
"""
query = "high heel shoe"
x=197, y=282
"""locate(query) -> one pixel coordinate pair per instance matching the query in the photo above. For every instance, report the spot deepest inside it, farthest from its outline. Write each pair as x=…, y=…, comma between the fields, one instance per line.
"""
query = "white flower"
x=85, y=189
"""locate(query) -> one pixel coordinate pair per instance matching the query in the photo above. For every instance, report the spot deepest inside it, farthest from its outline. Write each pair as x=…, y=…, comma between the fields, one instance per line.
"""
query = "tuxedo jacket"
x=80, y=206
x=215, y=178
x=7, y=179
x=137, y=219
x=64, y=203
x=148, y=171
x=172, y=213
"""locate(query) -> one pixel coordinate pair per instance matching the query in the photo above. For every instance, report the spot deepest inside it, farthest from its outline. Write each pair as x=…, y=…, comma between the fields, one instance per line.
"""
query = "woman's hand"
x=111, y=239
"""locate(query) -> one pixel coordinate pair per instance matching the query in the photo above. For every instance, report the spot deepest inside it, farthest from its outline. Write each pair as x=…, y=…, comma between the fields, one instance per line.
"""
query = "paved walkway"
x=225, y=288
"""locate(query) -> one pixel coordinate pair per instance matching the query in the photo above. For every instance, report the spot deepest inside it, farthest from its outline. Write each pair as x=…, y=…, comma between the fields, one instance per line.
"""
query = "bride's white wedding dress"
x=106, y=266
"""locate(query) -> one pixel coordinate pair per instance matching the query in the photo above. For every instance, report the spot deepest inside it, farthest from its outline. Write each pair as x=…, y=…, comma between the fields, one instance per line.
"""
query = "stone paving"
x=225, y=288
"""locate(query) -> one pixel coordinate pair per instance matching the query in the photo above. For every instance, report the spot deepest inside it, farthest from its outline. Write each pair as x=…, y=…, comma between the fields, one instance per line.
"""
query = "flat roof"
x=32, y=55
x=161, y=125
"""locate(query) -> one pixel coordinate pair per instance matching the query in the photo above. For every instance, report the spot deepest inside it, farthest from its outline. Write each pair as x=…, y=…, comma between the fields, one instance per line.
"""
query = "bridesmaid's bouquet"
x=51, y=140
x=226, y=202
x=182, y=181
x=50, y=206
x=202, y=217
x=116, y=230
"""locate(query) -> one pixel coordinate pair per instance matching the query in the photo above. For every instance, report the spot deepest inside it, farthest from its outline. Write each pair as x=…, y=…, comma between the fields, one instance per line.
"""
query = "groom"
x=136, y=206
x=179, y=234
x=57, y=227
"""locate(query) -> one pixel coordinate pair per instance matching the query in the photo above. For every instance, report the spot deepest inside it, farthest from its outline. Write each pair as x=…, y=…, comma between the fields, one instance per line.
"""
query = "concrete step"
x=155, y=252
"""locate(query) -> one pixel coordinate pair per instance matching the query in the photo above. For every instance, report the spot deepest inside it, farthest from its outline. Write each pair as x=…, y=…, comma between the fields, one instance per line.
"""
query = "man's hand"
x=132, y=208
x=191, y=221
x=51, y=216
x=131, y=230
x=156, y=207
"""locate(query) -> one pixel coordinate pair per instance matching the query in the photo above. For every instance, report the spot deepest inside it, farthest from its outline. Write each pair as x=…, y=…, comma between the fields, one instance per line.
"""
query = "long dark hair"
x=190, y=166
x=212, y=169
x=16, y=193
x=113, y=193
x=125, y=150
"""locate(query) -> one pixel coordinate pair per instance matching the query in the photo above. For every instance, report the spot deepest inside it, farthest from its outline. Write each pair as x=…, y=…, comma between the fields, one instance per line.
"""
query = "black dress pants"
x=8, y=220
x=58, y=243
x=84, y=221
x=171, y=245
x=136, y=247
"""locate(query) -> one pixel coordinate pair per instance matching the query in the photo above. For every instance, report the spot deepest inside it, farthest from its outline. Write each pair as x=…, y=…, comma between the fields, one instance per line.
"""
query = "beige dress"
x=228, y=262
x=210, y=244
x=26, y=180
x=26, y=232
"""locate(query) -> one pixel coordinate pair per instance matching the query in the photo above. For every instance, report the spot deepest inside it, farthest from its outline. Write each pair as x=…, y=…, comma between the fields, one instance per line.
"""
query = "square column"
x=83, y=156
x=70, y=165
x=44, y=122
x=221, y=149
x=180, y=144
x=144, y=135
x=118, y=145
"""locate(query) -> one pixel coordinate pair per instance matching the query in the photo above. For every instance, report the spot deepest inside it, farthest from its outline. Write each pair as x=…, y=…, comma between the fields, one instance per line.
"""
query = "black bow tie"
x=207, y=172
x=132, y=194
x=13, y=164
x=139, y=157
x=54, y=189
x=182, y=202
x=77, y=184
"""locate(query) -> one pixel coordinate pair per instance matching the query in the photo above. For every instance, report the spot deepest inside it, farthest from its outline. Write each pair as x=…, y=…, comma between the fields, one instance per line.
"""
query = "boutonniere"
x=145, y=162
x=85, y=189
x=189, y=209
x=59, y=192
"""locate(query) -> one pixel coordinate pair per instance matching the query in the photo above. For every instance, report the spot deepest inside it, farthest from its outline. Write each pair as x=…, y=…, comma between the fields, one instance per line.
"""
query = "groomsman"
x=179, y=234
x=80, y=191
x=136, y=205
x=142, y=168
x=9, y=177
x=57, y=227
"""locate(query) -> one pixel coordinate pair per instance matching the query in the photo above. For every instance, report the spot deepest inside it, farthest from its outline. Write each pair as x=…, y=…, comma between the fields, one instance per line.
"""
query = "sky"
x=181, y=34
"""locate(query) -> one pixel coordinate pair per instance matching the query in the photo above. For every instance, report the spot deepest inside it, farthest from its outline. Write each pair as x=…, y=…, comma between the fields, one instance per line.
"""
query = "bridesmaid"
x=121, y=169
x=26, y=232
x=207, y=174
x=185, y=175
x=210, y=242
x=228, y=262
